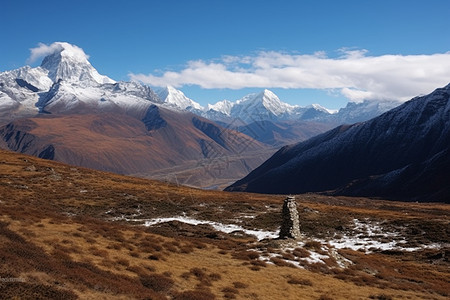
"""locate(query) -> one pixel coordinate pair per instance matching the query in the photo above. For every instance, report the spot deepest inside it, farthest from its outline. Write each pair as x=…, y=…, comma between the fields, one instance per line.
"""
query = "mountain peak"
x=67, y=51
x=268, y=93
x=319, y=107
x=177, y=98
x=69, y=63
x=272, y=103
x=223, y=106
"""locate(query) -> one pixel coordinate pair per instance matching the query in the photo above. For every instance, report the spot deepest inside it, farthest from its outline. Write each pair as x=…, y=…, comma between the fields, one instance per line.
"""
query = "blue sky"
x=247, y=45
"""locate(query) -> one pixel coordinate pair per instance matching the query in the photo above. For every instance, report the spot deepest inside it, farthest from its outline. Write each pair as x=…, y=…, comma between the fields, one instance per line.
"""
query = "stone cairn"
x=290, y=228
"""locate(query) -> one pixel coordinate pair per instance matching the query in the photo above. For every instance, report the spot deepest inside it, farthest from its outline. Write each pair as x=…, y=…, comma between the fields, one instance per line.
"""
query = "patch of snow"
x=227, y=228
x=369, y=236
x=315, y=257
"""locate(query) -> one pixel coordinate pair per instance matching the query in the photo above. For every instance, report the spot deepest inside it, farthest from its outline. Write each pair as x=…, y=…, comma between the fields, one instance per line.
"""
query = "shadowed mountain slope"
x=395, y=155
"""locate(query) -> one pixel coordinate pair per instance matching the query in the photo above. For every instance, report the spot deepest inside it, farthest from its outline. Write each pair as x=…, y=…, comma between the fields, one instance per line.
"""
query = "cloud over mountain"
x=44, y=50
x=354, y=73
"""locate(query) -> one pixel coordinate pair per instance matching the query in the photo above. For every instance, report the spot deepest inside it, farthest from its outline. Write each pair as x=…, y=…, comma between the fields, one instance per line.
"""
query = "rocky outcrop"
x=153, y=119
x=290, y=228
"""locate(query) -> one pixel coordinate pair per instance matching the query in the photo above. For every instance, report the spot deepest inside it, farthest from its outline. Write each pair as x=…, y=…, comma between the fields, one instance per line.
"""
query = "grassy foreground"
x=68, y=232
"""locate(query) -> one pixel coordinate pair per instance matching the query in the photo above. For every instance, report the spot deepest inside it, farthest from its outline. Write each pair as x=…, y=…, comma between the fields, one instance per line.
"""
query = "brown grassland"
x=68, y=232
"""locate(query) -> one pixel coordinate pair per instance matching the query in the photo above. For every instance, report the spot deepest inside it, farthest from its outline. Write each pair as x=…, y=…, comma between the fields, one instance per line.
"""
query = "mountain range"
x=402, y=154
x=66, y=82
x=266, y=118
x=66, y=110
x=266, y=106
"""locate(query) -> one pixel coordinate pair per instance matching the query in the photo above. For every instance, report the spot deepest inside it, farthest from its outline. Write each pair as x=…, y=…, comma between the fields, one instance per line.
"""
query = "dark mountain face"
x=426, y=181
x=17, y=137
x=211, y=130
x=152, y=119
x=388, y=156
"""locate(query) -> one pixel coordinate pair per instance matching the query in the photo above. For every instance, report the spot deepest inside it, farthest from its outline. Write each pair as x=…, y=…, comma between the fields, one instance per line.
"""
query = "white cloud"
x=44, y=50
x=356, y=95
x=357, y=75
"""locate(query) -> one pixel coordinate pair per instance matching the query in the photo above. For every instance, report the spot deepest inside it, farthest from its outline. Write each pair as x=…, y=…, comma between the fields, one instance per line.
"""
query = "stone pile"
x=290, y=228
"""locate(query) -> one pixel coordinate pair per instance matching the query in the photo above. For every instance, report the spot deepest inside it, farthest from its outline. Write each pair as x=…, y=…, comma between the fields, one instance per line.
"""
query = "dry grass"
x=64, y=244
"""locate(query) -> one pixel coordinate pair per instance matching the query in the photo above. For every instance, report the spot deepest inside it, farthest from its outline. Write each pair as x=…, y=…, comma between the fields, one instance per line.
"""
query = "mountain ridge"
x=403, y=137
x=69, y=63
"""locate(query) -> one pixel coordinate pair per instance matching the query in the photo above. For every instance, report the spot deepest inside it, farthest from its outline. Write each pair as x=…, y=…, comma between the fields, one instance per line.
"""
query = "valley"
x=184, y=149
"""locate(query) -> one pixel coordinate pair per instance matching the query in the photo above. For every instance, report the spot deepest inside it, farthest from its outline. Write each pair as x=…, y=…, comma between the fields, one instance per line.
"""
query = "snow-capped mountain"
x=401, y=154
x=67, y=82
x=310, y=112
x=131, y=98
x=266, y=106
x=19, y=90
x=70, y=64
x=263, y=106
x=223, y=107
x=363, y=111
x=97, y=123
x=170, y=96
x=258, y=107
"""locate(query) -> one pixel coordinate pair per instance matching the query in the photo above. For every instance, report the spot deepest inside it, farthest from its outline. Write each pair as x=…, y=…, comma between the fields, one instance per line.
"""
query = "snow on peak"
x=69, y=51
x=319, y=107
x=177, y=98
x=69, y=63
x=223, y=106
x=268, y=100
x=260, y=106
x=274, y=104
x=269, y=94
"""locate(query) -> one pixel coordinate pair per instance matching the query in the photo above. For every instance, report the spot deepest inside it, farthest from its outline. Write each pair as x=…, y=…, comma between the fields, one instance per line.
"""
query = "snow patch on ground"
x=370, y=236
x=227, y=228
x=364, y=235
x=287, y=252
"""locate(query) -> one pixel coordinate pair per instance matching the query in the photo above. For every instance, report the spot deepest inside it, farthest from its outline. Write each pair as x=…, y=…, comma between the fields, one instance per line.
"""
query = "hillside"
x=402, y=154
x=119, y=143
x=69, y=232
